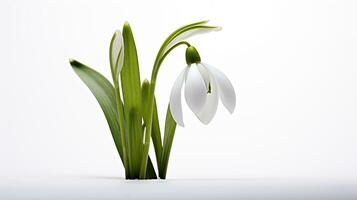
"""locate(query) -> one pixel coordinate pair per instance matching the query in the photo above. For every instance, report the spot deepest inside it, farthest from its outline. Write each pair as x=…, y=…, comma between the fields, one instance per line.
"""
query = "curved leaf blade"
x=150, y=172
x=103, y=91
x=189, y=32
x=170, y=127
x=131, y=89
x=173, y=35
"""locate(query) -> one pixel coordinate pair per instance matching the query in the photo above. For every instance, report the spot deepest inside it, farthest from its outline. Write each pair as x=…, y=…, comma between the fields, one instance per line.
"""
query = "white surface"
x=293, y=65
x=92, y=187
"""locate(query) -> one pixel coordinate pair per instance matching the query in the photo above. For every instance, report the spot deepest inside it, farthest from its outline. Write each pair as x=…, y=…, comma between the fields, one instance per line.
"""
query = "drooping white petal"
x=211, y=104
x=118, y=51
x=190, y=33
x=195, y=90
x=225, y=88
x=204, y=73
x=175, y=98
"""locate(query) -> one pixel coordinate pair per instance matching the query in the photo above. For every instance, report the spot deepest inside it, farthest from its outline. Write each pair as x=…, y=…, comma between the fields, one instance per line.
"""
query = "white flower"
x=204, y=84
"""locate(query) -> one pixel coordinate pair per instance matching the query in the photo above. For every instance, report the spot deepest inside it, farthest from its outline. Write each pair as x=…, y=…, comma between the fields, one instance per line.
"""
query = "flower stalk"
x=121, y=126
x=155, y=71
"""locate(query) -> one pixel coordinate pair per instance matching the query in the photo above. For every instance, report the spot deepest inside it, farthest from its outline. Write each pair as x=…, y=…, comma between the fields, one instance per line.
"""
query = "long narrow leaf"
x=185, y=32
x=156, y=135
x=189, y=32
x=131, y=89
x=174, y=34
x=135, y=139
x=130, y=74
x=103, y=91
x=150, y=172
x=170, y=127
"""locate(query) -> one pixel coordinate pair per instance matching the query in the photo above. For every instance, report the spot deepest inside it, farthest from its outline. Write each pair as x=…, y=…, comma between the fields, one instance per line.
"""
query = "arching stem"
x=158, y=61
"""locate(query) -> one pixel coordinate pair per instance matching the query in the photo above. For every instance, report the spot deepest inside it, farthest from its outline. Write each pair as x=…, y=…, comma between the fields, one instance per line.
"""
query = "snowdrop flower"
x=204, y=84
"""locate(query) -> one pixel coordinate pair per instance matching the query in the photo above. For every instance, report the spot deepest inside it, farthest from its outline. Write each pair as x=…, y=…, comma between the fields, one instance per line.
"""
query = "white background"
x=292, y=63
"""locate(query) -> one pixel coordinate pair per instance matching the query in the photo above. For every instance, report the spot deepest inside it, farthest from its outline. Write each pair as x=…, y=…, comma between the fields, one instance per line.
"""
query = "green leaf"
x=155, y=132
x=144, y=99
x=131, y=90
x=188, y=32
x=156, y=135
x=176, y=33
x=130, y=74
x=150, y=172
x=185, y=32
x=103, y=91
x=135, y=141
x=170, y=127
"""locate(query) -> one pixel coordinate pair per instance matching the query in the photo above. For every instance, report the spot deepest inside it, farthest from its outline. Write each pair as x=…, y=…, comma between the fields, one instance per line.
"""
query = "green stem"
x=119, y=107
x=158, y=61
x=121, y=125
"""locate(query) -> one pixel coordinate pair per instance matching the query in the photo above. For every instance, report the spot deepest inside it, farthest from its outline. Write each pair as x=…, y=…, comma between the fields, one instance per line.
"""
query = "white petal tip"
x=230, y=108
x=205, y=123
x=178, y=120
x=231, y=111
